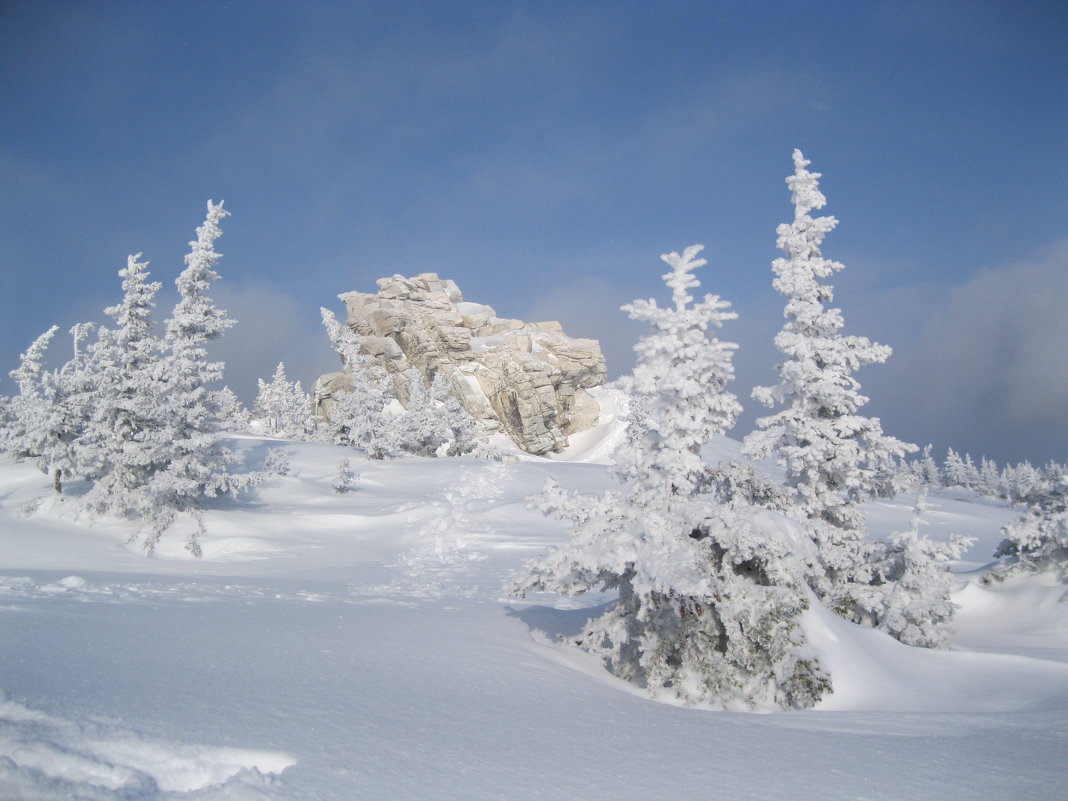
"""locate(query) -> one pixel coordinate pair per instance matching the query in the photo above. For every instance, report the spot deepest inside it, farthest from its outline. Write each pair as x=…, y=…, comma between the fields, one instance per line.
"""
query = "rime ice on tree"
x=283, y=406
x=358, y=417
x=1038, y=541
x=179, y=458
x=709, y=594
x=26, y=411
x=835, y=458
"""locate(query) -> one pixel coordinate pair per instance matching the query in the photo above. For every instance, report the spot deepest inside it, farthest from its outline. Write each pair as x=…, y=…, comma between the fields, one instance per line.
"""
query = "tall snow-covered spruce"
x=26, y=411
x=125, y=359
x=834, y=457
x=709, y=593
x=182, y=457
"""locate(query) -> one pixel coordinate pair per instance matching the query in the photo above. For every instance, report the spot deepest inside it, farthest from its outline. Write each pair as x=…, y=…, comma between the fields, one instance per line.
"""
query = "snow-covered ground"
x=363, y=646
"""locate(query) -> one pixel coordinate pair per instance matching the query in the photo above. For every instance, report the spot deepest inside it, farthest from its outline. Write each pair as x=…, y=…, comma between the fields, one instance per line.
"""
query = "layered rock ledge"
x=527, y=380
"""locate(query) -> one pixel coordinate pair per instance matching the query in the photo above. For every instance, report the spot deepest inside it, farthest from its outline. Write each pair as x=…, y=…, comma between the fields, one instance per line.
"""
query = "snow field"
x=361, y=646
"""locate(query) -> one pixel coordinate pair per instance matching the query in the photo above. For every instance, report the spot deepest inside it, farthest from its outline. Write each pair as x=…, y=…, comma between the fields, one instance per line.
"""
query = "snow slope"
x=362, y=646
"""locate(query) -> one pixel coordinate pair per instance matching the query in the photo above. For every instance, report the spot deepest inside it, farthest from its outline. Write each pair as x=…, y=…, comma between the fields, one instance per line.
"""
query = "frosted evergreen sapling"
x=283, y=407
x=1038, y=541
x=358, y=418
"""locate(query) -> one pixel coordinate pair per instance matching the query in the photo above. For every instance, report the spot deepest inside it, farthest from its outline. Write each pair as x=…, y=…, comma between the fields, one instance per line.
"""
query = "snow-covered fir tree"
x=463, y=429
x=1038, y=541
x=114, y=447
x=344, y=478
x=971, y=473
x=910, y=598
x=419, y=430
x=709, y=594
x=48, y=420
x=682, y=361
x=358, y=418
x=277, y=462
x=834, y=457
x=7, y=421
x=925, y=469
x=434, y=423
x=26, y=411
x=1053, y=472
x=283, y=407
x=48, y=417
x=68, y=399
x=1021, y=482
x=989, y=479
x=954, y=472
x=197, y=463
x=232, y=413
x=174, y=458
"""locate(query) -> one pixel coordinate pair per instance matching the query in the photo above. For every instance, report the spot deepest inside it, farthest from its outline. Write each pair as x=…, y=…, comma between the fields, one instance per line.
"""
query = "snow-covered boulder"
x=527, y=380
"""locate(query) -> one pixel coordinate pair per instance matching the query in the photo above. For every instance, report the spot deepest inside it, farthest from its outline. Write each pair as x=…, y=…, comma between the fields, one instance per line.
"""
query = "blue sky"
x=543, y=155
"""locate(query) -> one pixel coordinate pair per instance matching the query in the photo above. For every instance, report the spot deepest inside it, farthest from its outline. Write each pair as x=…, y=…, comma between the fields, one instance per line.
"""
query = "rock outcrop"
x=527, y=380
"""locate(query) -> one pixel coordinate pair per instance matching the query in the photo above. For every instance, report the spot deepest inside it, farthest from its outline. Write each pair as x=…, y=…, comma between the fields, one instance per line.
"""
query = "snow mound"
x=872, y=671
x=1023, y=615
x=44, y=757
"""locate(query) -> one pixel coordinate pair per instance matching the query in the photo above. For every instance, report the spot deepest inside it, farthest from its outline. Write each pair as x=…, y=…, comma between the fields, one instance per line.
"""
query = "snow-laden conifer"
x=925, y=469
x=344, y=478
x=232, y=414
x=989, y=478
x=115, y=451
x=283, y=407
x=1038, y=541
x=277, y=462
x=709, y=594
x=954, y=472
x=834, y=457
x=26, y=410
x=48, y=418
x=68, y=395
x=434, y=422
x=464, y=430
x=686, y=365
x=358, y=417
x=180, y=451
x=910, y=596
x=1021, y=482
x=419, y=430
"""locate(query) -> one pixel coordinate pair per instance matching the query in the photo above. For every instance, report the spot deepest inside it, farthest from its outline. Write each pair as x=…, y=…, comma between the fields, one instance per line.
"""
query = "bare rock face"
x=525, y=379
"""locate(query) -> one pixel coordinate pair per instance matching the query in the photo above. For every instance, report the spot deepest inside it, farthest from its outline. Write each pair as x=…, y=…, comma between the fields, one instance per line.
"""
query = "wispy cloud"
x=271, y=327
x=989, y=363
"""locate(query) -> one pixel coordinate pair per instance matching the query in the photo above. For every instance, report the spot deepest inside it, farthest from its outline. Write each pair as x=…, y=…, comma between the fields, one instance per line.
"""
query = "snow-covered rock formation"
x=527, y=380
